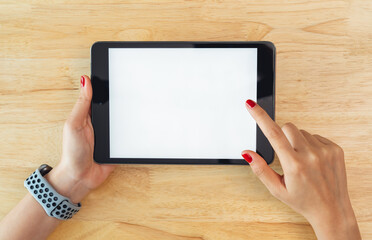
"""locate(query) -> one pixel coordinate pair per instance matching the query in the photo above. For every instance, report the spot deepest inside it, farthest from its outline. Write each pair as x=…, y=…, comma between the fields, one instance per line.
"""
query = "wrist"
x=336, y=225
x=65, y=185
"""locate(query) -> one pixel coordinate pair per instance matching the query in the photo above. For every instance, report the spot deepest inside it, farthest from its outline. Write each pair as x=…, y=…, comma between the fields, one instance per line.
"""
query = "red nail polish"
x=82, y=81
x=250, y=103
x=247, y=157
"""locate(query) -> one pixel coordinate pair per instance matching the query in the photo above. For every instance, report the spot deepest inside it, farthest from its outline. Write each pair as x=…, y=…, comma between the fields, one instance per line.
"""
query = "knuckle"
x=274, y=133
x=69, y=125
x=260, y=112
x=323, y=150
x=318, y=136
x=288, y=125
x=313, y=156
x=303, y=132
x=289, y=128
x=338, y=150
x=258, y=171
x=83, y=99
x=260, y=115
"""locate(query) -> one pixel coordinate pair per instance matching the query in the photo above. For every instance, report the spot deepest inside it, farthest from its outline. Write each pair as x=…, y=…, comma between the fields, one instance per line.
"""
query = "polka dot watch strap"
x=54, y=204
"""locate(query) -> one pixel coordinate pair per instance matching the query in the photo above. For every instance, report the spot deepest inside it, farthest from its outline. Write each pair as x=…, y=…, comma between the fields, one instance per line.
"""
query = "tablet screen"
x=181, y=102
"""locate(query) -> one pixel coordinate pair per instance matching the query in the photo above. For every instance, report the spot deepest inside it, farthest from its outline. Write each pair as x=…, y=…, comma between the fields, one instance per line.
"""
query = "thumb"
x=271, y=179
x=80, y=112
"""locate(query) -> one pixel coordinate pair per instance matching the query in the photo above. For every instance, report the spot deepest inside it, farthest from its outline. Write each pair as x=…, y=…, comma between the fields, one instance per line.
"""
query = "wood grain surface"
x=324, y=85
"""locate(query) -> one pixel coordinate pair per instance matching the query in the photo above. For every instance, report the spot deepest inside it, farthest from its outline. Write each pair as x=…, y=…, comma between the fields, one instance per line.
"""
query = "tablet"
x=180, y=102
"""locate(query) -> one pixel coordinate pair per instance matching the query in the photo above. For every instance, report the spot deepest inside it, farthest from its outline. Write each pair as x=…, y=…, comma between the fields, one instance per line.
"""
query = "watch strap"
x=54, y=204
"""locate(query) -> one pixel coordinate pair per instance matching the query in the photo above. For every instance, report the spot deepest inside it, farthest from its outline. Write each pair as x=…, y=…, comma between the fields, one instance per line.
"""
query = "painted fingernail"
x=250, y=103
x=247, y=157
x=82, y=81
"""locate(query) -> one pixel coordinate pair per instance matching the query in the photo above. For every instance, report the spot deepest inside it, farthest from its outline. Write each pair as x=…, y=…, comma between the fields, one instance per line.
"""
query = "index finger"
x=270, y=129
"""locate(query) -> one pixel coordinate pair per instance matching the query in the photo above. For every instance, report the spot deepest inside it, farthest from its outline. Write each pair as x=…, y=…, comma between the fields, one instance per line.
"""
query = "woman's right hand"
x=314, y=176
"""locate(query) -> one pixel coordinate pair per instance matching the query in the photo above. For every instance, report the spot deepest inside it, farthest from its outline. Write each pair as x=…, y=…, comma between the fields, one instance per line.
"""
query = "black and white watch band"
x=54, y=204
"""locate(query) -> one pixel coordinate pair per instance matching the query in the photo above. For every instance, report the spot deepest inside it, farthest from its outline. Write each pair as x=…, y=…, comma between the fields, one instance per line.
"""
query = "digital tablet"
x=180, y=102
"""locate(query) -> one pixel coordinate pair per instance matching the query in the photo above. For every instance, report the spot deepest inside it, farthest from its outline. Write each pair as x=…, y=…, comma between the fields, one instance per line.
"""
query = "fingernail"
x=82, y=81
x=250, y=103
x=247, y=157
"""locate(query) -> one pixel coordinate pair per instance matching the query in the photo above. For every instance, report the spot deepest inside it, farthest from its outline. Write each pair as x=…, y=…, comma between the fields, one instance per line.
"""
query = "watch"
x=54, y=204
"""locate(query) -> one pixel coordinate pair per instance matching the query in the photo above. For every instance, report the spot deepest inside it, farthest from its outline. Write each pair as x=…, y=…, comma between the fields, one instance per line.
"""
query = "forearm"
x=27, y=220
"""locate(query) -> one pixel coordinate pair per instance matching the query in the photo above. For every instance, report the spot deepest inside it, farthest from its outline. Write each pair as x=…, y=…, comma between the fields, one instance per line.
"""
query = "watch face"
x=44, y=169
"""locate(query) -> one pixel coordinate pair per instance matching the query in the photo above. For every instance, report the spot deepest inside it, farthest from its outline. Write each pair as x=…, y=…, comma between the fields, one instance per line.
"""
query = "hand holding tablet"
x=179, y=102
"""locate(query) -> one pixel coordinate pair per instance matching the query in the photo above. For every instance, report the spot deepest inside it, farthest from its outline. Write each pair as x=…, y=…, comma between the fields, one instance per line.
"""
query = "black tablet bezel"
x=100, y=101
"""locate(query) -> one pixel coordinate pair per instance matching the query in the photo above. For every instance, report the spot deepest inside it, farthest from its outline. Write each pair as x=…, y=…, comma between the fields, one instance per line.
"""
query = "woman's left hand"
x=77, y=173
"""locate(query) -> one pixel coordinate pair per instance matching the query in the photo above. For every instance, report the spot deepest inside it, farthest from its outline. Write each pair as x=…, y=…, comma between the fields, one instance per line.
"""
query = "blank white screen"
x=181, y=102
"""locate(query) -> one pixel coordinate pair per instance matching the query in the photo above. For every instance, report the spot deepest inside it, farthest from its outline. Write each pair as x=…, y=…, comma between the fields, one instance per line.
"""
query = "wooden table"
x=324, y=85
